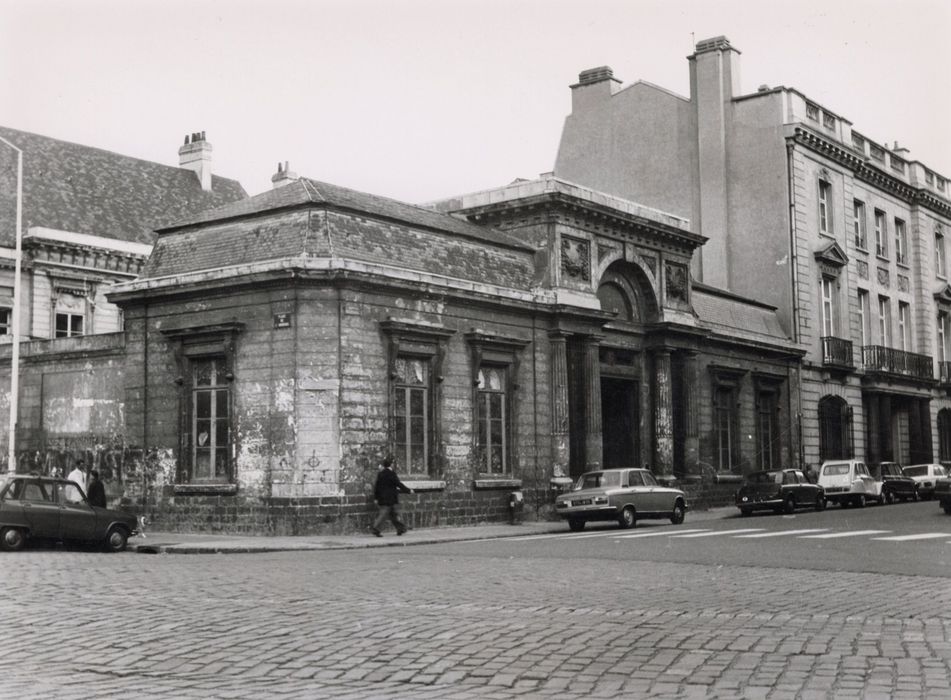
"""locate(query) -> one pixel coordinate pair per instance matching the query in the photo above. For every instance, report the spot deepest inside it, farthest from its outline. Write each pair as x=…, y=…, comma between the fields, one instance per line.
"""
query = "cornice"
x=864, y=171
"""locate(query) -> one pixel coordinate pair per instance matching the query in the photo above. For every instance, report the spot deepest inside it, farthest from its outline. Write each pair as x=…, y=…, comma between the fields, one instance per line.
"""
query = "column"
x=663, y=415
x=558, y=343
x=691, y=430
x=915, y=445
x=885, y=427
x=874, y=452
x=592, y=402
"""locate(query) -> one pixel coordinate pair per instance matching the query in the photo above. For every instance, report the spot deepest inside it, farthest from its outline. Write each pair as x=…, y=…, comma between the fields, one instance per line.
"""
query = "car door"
x=78, y=519
x=654, y=495
x=40, y=510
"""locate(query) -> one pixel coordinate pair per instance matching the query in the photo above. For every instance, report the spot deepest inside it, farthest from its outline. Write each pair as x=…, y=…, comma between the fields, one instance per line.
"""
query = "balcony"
x=837, y=353
x=877, y=358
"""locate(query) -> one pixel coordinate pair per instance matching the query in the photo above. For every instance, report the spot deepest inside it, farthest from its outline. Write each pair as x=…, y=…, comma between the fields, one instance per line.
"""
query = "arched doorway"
x=944, y=435
x=835, y=428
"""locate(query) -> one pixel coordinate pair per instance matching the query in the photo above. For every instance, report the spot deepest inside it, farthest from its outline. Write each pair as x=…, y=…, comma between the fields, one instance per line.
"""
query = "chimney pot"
x=195, y=155
x=283, y=176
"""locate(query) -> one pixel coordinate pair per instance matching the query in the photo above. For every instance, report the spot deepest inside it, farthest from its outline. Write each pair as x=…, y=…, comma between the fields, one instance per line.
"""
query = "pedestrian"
x=386, y=491
x=78, y=475
x=97, y=490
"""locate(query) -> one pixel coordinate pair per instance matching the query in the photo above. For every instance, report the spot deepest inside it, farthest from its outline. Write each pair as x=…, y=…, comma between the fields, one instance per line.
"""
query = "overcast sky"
x=422, y=99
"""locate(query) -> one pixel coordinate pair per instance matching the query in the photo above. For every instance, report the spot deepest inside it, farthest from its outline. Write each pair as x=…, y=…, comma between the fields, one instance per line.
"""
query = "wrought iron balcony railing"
x=837, y=352
x=877, y=358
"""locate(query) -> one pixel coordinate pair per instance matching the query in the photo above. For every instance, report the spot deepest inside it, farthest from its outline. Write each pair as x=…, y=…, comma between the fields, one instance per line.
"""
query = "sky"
x=424, y=99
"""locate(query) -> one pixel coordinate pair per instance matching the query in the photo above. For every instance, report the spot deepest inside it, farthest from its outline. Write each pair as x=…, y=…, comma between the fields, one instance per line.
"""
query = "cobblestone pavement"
x=446, y=622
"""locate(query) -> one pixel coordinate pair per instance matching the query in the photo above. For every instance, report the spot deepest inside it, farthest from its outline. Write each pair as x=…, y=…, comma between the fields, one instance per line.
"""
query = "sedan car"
x=942, y=491
x=37, y=507
x=895, y=484
x=781, y=490
x=848, y=482
x=624, y=495
x=926, y=476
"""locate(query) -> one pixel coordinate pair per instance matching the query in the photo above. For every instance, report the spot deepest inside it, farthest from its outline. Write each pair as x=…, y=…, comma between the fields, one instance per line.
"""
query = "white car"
x=926, y=476
x=848, y=482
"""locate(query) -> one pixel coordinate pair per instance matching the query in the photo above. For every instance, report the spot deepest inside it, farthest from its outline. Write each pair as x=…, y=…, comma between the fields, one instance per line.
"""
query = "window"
x=812, y=111
x=940, y=267
x=828, y=307
x=898, y=164
x=865, y=318
x=858, y=217
x=929, y=177
x=939, y=184
x=944, y=336
x=885, y=321
x=493, y=442
x=858, y=142
x=901, y=242
x=767, y=427
x=68, y=325
x=876, y=152
x=210, y=420
x=724, y=426
x=881, y=234
x=412, y=404
x=825, y=207
x=904, y=326
x=828, y=121
x=5, y=320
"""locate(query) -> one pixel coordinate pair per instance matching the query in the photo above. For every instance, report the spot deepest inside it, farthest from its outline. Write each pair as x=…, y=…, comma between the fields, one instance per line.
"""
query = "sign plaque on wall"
x=282, y=320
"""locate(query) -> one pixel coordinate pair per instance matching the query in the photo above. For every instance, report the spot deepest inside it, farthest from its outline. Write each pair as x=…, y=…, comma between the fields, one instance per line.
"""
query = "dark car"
x=37, y=507
x=895, y=483
x=942, y=491
x=781, y=490
x=624, y=495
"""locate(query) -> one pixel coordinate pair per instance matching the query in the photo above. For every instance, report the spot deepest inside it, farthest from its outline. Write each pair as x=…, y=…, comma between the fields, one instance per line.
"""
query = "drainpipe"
x=794, y=281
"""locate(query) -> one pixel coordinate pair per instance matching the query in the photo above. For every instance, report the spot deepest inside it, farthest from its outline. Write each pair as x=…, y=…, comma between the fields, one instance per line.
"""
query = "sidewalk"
x=201, y=543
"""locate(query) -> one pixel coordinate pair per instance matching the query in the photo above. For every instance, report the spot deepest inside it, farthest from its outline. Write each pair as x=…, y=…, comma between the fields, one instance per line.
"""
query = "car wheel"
x=888, y=497
x=820, y=502
x=860, y=500
x=916, y=496
x=575, y=524
x=12, y=539
x=627, y=519
x=789, y=506
x=677, y=516
x=116, y=540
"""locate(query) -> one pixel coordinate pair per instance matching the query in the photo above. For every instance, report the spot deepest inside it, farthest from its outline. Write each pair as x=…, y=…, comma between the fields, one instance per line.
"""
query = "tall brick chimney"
x=196, y=155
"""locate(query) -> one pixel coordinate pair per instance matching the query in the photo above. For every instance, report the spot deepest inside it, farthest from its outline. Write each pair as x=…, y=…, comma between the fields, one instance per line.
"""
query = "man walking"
x=387, y=494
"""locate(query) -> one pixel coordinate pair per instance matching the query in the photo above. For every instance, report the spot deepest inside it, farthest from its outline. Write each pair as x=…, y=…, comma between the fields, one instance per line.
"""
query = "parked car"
x=926, y=475
x=781, y=490
x=37, y=507
x=895, y=484
x=942, y=491
x=848, y=482
x=625, y=495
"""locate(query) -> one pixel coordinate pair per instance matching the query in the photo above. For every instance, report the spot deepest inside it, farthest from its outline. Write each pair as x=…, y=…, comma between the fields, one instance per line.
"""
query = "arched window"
x=835, y=428
x=944, y=435
x=613, y=298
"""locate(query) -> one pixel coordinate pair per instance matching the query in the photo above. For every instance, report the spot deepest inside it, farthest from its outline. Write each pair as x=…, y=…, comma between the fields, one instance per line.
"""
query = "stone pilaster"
x=885, y=427
x=592, y=403
x=663, y=415
x=560, y=444
x=874, y=454
x=691, y=429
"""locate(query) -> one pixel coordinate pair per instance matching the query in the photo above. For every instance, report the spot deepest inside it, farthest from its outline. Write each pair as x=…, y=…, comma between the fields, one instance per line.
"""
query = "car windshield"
x=594, y=480
x=764, y=478
x=917, y=471
x=835, y=469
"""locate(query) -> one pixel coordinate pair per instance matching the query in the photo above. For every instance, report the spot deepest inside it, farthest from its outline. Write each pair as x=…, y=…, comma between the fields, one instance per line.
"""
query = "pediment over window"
x=832, y=255
x=943, y=293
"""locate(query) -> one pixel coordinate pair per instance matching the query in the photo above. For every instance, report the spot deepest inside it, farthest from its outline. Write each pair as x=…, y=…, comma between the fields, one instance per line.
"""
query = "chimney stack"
x=283, y=176
x=195, y=155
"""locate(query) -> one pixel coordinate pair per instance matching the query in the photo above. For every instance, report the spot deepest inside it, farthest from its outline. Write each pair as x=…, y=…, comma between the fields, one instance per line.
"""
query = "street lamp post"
x=15, y=321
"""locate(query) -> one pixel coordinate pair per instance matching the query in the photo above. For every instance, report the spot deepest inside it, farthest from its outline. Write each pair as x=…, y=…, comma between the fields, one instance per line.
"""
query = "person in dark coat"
x=97, y=490
x=387, y=494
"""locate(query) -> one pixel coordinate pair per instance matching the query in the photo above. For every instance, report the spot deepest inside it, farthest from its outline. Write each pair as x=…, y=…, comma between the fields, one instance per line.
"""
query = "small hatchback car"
x=926, y=476
x=781, y=490
x=624, y=495
x=37, y=507
x=848, y=482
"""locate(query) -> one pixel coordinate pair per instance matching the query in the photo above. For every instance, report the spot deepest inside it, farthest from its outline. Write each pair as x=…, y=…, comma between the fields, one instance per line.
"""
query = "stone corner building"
x=278, y=346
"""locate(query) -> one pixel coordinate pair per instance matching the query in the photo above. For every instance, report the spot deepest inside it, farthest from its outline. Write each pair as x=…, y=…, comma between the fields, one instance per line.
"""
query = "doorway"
x=620, y=422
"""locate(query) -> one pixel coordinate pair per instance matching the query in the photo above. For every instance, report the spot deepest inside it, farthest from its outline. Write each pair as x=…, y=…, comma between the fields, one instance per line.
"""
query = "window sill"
x=859, y=249
x=883, y=258
x=205, y=489
x=827, y=234
x=502, y=483
x=425, y=485
x=905, y=265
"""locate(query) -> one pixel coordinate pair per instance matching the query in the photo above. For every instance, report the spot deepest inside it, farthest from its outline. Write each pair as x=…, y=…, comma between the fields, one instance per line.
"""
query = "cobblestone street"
x=441, y=622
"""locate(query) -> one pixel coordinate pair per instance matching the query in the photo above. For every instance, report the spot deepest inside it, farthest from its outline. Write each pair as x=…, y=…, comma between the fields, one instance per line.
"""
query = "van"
x=848, y=482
